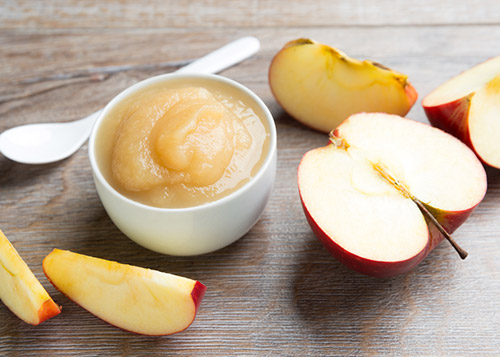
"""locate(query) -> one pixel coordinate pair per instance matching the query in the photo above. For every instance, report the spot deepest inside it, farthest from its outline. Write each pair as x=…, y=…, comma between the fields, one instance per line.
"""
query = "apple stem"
x=461, y=252
x=337, y=142
x=393, y=181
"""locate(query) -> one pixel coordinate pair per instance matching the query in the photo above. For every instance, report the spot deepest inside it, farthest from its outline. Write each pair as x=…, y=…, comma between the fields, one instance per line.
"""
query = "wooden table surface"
x=276, y=291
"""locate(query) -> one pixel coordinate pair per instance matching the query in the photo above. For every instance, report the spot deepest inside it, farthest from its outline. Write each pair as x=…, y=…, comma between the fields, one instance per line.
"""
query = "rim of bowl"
x=171, y=76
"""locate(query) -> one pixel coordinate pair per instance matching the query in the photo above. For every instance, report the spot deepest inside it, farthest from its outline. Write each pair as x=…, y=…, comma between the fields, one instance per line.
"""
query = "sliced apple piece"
x=20, y=290
x=135, y=299
x=468, y=107
x=320, y=86
x=362, y=194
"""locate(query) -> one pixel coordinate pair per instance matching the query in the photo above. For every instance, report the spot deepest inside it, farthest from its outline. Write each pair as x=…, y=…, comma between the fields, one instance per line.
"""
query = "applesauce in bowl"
x=184, y=163
x=182, y=143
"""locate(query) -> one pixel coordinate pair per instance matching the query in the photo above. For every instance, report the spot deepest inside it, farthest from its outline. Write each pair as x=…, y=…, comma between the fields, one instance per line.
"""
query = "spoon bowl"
x=47, y=142
x=51, y=142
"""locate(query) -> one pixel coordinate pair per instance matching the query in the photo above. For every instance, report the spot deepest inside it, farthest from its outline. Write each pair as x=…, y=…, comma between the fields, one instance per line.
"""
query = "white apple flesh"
x=359, y=192
x=320, y=86
x=135, y=299
x=20, y=290
x=468, y=107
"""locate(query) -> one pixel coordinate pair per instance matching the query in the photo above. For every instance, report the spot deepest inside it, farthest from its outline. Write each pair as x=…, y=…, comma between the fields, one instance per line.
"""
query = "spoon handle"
x=224, y=57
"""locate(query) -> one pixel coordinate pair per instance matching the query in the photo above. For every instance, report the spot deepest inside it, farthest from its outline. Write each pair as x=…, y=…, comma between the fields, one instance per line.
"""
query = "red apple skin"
x=452, y=117
x=377, y=269
x=412, y=95
x=449, y=220
x=381, y=269
x=197, y=294
x=49, y=309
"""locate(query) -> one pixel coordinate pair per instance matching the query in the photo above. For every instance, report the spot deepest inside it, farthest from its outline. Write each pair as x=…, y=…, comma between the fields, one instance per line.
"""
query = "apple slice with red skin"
x=135, y=299
x=20, y=290
x=468, y=107
x=321, y=86
x=364, y=194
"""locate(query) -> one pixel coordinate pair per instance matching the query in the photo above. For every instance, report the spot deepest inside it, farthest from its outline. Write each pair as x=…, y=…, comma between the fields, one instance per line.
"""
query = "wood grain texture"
x=276, y=291
x=242, y=13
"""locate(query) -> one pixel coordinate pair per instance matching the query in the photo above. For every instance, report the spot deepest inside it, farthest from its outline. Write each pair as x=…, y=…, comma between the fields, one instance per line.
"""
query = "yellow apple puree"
x=181, y=144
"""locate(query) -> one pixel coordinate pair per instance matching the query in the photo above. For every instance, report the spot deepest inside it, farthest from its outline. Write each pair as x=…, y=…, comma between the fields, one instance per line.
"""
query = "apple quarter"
x=468, y=107
x=321, y=86
x=20, y=290
x=136, y=299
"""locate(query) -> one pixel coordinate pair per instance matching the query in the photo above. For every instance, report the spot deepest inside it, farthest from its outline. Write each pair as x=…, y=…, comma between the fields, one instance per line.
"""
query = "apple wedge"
x=20, y=290
x=468, y=107
x=135, y=299
x=320, y=86
x=378, y=194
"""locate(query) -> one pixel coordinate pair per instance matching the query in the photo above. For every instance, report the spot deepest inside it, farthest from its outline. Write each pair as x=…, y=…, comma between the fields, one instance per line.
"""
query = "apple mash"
x=181, y=144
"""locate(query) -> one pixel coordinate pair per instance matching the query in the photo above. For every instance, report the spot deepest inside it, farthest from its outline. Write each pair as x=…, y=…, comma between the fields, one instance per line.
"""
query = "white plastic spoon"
x=50, y=142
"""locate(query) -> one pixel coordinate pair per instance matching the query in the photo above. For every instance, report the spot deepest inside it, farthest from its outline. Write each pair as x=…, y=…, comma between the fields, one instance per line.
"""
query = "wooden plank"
x=242, y=13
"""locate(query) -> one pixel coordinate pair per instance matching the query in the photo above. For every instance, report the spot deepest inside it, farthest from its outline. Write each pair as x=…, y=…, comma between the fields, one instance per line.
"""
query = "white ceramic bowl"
x=193, y=230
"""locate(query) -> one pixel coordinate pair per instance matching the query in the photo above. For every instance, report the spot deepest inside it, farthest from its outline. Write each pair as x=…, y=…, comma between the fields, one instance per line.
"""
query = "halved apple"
x=135, y=299
x=468, y=107
x=320, y=86
x=378, y=194
x=20, y=290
